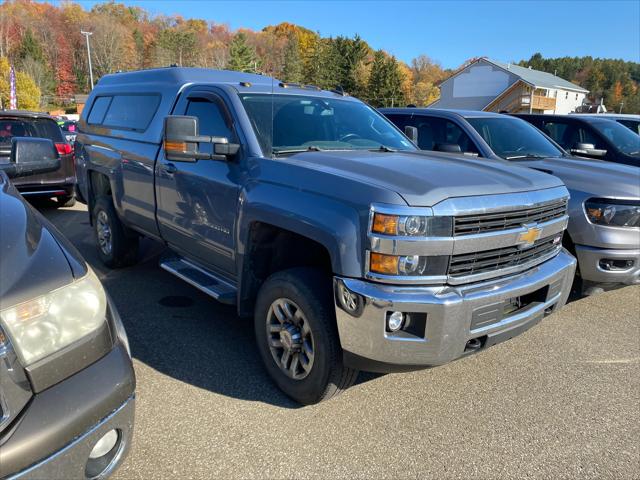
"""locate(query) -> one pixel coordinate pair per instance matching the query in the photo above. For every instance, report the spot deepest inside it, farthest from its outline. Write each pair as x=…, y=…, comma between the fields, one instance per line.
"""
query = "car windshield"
x=286, y=124
x=633, y=125
x=620, y=136
x=514, y=139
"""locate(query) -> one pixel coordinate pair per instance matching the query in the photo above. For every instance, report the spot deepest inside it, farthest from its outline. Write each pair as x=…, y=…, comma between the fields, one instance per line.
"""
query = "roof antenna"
x=339, y=90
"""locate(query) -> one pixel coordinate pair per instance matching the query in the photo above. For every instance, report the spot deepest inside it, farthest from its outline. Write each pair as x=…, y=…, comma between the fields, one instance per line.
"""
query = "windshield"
x=303, y=123
x=620, y=136
x=633, y=125
x=513, y=139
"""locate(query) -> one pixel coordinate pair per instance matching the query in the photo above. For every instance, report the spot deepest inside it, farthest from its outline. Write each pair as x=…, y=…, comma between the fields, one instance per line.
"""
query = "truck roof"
x=170, y=80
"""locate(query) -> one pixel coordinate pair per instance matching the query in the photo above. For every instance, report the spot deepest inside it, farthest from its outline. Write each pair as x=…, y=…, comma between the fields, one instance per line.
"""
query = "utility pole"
x=87, y=35
x=621, y=104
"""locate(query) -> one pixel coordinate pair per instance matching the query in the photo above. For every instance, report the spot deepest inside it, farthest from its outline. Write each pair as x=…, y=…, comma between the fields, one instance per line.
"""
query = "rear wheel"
x=117, y=245
x=297, y=336
x=66, y=201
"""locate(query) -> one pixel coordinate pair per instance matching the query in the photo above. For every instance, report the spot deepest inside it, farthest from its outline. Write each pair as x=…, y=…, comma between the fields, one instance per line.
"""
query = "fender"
x=334, y=224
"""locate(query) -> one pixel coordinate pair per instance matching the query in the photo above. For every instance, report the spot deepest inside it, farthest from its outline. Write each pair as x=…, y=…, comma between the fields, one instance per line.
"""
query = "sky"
x=447, y=31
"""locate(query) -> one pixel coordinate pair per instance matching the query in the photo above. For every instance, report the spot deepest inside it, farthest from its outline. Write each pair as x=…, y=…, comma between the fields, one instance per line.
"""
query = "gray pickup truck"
x=311, y=212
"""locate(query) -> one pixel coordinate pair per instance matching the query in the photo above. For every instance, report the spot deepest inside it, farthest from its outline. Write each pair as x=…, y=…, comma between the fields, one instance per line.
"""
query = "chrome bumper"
x=590, y=269
x=454, y=315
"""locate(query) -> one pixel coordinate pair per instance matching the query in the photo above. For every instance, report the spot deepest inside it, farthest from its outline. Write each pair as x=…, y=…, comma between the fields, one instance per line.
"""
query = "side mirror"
x=588, y=149
x=412, y=133
x=447, y=147
x=181, y=141
x=31, y=156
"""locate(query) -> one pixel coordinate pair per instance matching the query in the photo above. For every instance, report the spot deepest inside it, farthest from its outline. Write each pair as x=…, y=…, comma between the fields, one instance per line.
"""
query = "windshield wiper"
x=518, y=157
x=383, y=148
x=310, y=148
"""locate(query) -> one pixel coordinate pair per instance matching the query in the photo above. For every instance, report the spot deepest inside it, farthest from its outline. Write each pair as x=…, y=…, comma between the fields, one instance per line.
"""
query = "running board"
x=203, y=280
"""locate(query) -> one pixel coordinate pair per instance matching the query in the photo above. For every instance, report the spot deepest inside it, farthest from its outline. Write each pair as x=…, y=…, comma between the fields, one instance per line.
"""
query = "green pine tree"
x=292, y=71
x=377, y=81
x=242, y=56
x=30, y=47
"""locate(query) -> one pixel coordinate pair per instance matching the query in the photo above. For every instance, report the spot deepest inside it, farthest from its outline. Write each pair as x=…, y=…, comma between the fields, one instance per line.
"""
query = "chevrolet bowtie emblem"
x=526, y=239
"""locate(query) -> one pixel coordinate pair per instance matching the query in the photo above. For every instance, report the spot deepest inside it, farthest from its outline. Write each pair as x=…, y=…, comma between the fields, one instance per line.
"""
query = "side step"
x=205, y=281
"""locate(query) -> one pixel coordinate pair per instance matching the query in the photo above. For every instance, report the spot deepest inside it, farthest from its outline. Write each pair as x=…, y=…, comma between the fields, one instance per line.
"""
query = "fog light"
x=105, y=444
x=395, y=321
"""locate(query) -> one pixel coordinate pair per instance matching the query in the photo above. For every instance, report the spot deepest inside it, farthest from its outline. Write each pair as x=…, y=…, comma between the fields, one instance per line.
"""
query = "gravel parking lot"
x=560, y=401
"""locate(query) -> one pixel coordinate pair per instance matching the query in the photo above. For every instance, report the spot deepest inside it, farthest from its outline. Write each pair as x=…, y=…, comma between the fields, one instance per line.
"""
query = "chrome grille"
x=493, y=222
x=500, y=258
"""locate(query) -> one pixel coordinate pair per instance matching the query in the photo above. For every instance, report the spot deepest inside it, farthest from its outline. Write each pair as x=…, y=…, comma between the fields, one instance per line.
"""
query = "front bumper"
x=71, y=461
x=454, y=316
x=590, y=269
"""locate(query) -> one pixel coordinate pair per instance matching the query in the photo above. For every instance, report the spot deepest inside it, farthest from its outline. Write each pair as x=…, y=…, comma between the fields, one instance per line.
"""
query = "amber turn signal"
x=385, y=264
x=386, y=224
x=175, y=146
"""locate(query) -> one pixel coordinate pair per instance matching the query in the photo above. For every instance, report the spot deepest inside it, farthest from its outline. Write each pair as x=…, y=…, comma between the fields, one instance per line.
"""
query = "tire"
x=66, y=201
x=121, y=249
x=309, y=291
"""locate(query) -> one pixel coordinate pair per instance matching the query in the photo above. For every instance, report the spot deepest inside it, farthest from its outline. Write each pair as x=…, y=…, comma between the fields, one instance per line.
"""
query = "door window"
x=563, y=133
x=211, y=121
x=433, y=131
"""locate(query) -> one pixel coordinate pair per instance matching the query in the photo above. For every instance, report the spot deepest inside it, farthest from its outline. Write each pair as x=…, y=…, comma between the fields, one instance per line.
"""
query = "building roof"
x=536, y=77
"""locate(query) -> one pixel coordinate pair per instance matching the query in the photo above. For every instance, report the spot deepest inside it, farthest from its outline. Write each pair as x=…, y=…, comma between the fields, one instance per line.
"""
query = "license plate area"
x=499, y=311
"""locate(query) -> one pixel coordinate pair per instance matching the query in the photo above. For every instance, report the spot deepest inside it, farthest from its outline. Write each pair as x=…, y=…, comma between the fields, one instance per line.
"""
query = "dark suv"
x=60, y=183
x=590, y=136
x=66, y=379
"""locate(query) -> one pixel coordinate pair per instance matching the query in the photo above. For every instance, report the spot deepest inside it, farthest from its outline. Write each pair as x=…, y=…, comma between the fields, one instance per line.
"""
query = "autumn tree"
x=27, y=92
x=242, y=57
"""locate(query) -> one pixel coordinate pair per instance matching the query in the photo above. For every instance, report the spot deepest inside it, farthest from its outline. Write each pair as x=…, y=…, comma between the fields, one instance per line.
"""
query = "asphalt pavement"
x=560, y=401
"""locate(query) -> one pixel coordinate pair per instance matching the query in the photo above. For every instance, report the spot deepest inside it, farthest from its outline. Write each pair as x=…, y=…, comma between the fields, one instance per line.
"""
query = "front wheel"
x=297, y=336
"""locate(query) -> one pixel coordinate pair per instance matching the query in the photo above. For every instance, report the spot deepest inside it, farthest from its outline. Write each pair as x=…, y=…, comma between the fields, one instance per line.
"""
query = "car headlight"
x=411, y=225
x=407, y=265
x=44, y=325
x=613, y=213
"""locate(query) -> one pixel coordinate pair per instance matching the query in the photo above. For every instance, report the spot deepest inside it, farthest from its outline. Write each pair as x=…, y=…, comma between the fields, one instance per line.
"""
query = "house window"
x=566, y=95
x=576, y=96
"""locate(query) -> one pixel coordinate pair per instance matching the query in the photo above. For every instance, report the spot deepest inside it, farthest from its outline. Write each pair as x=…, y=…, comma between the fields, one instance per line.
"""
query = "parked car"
x=590, y=136
x=59, y=184
x=310, y=211
x=632, y=122
x=66, y=379
x=604, y=209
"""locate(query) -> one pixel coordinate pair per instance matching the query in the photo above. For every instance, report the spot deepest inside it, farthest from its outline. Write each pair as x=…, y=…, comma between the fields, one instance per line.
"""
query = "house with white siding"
x=494, y=86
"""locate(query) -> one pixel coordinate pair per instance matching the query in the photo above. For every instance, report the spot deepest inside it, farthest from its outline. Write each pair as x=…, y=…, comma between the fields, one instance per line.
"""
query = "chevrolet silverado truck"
x=67, y=385
x=311, y=212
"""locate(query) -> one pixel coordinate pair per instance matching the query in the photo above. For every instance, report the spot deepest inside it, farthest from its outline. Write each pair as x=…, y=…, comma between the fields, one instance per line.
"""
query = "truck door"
x=197, y=201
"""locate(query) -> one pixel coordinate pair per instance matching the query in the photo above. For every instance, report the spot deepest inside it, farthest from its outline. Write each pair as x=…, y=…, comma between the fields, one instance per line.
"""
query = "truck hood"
x=425, y=179
x=595, y=177
x=32, y=262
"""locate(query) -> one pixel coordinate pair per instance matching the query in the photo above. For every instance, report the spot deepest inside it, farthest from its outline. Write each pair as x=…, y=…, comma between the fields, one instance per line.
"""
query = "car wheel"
x=66, y=201
x=297, y=336
x=117, y=245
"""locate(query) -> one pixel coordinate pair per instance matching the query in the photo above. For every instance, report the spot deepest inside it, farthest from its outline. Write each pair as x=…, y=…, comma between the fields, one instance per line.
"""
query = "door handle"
x=170, y=168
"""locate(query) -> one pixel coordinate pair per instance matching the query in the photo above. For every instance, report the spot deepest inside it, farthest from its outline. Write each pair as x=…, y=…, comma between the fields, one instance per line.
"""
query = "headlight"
x=613, y=213
x=407, y=265
x=411, y=225
x=42, y=326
